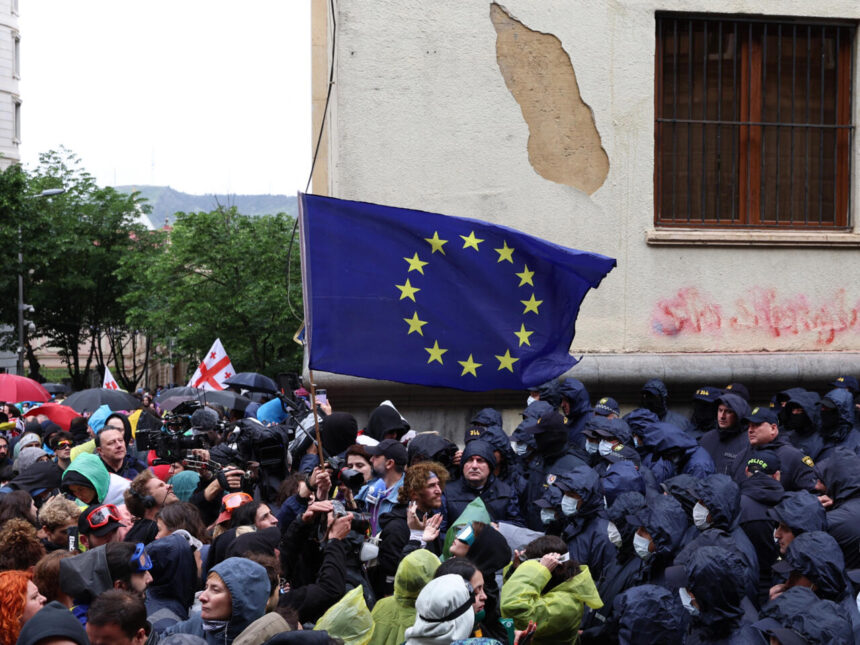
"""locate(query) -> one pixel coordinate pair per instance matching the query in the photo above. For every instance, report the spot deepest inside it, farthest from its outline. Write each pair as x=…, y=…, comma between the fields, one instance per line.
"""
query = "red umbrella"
x=20, y=388
x=59, y=414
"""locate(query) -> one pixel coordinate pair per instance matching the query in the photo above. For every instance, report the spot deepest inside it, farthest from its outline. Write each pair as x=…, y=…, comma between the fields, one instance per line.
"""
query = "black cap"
x=606, y=406
x=762, y=414
x=846, y=382
x=84, y=526
x=390, y=449
x=740, y=389
x=552, y=422
x=766, y=461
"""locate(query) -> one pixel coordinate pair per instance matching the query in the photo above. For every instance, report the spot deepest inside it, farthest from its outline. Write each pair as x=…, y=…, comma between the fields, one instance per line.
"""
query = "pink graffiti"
x=763, y=310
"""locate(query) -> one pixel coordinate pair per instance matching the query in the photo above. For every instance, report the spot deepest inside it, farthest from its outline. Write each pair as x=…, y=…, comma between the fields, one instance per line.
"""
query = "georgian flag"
x=213, y=369
x=109, y=382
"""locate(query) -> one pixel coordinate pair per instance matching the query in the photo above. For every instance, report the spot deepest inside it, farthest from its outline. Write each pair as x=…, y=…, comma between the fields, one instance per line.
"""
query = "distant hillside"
x=166, y=202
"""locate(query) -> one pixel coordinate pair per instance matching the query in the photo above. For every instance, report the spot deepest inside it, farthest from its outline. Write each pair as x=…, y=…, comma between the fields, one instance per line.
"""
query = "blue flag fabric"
x=418, y=297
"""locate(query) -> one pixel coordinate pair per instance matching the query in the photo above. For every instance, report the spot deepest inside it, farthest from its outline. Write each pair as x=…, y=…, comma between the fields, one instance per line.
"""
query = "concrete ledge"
x=746, y=237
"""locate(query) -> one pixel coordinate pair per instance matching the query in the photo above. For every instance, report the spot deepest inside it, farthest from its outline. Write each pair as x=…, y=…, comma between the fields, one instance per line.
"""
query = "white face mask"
x=368, y=552
x=642, y=546
x=591, y=447
x=531, y=400
x=569, y=505
x=547, y=515
x=687, y=601
x=700, y=516
x=604, y=448
x=614, y=535
x=521, y=448
x=636, y=442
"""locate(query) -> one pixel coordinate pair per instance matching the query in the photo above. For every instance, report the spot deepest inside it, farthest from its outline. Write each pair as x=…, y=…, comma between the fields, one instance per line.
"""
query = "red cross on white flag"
x=213, y=369
x=109, y=382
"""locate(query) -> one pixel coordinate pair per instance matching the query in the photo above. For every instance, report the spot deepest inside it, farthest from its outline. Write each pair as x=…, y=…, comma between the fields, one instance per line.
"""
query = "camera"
x=170, y=446
x=360, y=521
x=342, y=474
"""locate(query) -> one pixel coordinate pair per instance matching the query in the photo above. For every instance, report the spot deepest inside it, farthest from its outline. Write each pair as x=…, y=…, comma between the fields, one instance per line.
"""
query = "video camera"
x=170, y=442
x=343, y=474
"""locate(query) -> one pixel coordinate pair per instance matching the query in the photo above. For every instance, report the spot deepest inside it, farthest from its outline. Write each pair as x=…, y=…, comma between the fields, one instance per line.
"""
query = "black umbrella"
x=92, y=399
x=169, y=399
x=253, y=381
x=56, y=388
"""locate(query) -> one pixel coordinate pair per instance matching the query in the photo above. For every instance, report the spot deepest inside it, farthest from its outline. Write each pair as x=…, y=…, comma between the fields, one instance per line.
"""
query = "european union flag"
x=423, y=298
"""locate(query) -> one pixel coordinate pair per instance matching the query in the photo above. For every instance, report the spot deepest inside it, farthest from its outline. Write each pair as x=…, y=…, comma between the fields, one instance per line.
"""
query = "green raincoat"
x=558, y=613
x=392, y=616
x=93, y=469
x=348, y=619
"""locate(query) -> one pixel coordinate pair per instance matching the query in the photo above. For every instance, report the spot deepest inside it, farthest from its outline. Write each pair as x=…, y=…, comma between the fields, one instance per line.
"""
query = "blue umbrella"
x=253, y=382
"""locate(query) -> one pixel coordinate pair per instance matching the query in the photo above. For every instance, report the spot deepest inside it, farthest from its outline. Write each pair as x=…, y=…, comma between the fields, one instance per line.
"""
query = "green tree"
x=220, y=275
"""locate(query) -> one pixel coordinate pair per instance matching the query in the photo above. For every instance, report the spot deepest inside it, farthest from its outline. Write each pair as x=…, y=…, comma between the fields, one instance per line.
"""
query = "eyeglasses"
x=140, y=561
x=234, y=500
x=101, y=515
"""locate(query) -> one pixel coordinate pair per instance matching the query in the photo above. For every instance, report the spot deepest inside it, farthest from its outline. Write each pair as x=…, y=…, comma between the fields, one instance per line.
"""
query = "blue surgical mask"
x=569, y=505
x=642, y=546
x=687, y=601
x=591, y=447
x=547, y=515
x=604, y=448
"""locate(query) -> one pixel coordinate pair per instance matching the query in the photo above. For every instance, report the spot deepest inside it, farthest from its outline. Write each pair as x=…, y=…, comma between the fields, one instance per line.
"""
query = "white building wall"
x=9, y=94
x=421, y=117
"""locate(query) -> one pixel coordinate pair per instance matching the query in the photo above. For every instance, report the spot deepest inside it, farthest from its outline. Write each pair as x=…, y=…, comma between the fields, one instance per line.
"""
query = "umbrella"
x=56, y=388
x=20, y=388
x=169, y=399
x=253, y=382
x=95, y=397
x=59, y=414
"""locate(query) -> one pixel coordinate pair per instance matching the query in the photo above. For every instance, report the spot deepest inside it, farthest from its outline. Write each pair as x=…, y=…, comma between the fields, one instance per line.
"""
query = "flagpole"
x=316, y=417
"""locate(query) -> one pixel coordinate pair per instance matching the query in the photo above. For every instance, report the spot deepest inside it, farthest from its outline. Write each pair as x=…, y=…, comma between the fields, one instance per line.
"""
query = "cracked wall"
x=564, y=144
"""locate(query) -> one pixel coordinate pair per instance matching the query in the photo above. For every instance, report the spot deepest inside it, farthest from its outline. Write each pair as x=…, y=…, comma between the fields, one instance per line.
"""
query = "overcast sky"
x=203, y=96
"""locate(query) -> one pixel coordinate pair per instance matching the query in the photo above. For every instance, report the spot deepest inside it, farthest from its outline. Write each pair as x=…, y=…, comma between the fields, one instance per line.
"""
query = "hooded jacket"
x=395, y=614
x=817, y=556
x=542, y=466
x=622, y=477
x=558, y=612
x=841, y=477
x=666, y=523
x=649, y=614
x=759, y=493
x=838, y=431
x=385, y=419
x=716, y=579
x=658, y=389
x=54, y=620
x=727, y=447
x=579, y=411
x=43, y=475
x=586, y=532
x=500, y=499
x=248, y=584
x=89, y=470
x=813, y=619
x=174, y=574
x=666, y=441
x=441, y=597
x=808, y=440
x=83, y=577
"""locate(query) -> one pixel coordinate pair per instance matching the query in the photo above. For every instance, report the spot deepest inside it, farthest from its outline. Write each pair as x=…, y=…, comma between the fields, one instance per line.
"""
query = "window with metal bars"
x=753, y=123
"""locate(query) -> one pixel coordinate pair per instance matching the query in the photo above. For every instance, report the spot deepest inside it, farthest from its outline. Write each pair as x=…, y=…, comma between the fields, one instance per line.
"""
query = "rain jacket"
x=808, y=441
x=666, y=522
x=727, y=447
x=841, y=478
x=759, y=493
x=817, y=556
x=716, y=578
x=348, y=619
x=667, y=440
x=541, y=467
x=248, y=584
x=658, y=388
x=642, y=423
x=722, y=498
x=649, y=614
x=817, y=621
x=557, y=612
x=174, y=574
x=580, y=410
x=622, y=477
x=88, y=470
x=795, y=473
x=500, y=499
x=800, y=511
x=395, y=614
x=840, y=434
x=586, y=532
x=83, y=577
x=43, y=475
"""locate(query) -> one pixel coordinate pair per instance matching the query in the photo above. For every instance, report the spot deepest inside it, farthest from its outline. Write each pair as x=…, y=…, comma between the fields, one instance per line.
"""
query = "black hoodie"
x=53, y=621
x=841, y=477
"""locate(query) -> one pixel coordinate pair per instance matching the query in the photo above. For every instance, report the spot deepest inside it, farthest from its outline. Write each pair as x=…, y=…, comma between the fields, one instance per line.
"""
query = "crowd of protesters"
x=206, y=525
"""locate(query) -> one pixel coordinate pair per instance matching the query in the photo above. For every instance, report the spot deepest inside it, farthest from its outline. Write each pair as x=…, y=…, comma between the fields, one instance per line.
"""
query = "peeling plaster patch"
x=564, y=144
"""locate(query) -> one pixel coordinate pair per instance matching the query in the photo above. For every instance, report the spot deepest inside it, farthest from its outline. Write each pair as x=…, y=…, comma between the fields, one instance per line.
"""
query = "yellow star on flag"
x=505, y=253
x=523, y=335
x=532, y=304
x=415, y=264
x=507, y=361
x=526, y=276
x=469, y=365
x=471, y=240
x=407, y=290
x=415, y=324
x=435, y=353
x=436, y=243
